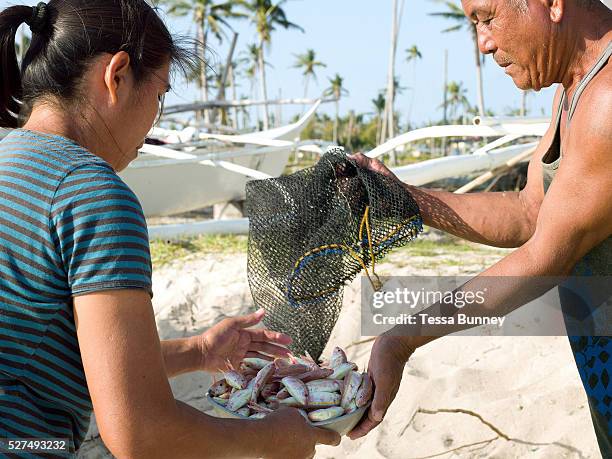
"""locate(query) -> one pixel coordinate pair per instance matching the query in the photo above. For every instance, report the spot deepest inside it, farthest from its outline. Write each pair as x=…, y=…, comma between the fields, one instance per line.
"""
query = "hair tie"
x=38, y=20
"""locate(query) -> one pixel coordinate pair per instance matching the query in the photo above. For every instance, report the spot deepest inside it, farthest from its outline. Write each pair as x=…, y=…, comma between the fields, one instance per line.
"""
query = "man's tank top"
x=593, y=354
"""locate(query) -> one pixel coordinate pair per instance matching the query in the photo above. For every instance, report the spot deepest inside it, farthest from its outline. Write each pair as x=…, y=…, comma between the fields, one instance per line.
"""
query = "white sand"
x=525, y=387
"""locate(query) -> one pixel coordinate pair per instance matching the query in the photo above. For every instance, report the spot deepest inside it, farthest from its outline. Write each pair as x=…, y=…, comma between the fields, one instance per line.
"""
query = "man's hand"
x=374, y=165
x=232, y=340
x=291, y=435
x=387, y=360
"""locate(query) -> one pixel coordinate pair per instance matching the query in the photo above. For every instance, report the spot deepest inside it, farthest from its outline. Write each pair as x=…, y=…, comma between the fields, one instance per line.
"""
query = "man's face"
x=518, y=40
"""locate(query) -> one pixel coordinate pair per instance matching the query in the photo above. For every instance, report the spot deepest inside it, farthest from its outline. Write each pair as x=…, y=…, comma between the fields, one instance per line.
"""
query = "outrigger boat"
x=200, y=169
x=511, y=145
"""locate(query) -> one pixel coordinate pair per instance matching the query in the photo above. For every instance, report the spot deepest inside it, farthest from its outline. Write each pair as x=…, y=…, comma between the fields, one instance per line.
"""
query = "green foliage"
x=266, y=16
x=213, y=16
x=308, y=63
x=413, y=53
x=336, y=87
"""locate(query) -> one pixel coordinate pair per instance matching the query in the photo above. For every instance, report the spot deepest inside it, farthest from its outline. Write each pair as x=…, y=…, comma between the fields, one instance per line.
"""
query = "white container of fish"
x=334, y=396
x=342, y=425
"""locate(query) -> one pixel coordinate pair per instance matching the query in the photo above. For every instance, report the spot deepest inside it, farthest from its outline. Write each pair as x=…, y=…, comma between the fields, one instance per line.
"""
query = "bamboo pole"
x=239, y=103
x=492, y=173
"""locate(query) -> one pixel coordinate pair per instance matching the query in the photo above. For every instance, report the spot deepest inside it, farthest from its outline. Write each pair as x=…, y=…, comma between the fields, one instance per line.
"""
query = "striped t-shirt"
x=68, y=226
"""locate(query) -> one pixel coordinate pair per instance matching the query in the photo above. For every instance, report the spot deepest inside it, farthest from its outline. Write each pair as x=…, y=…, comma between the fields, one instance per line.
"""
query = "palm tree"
x=309, y=63
x=397, y=88
x=209, y=16
x=250, y=60
x=388, y=123
x=266, y=15
x=379, y=104
x=455, y=13
x=337, y=90
x=412, y=55
x=457, y=98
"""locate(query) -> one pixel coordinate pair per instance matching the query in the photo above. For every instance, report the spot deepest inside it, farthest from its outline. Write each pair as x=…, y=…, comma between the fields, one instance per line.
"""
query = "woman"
x=77, y=330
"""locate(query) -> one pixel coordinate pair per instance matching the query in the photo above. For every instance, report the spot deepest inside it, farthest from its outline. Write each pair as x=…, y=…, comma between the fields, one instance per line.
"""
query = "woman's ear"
x=115, y=76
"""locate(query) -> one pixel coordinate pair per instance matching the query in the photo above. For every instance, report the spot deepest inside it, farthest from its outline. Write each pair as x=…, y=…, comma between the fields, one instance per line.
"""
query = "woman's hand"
x=232, y=340
x=387, y=360
x=288, y=434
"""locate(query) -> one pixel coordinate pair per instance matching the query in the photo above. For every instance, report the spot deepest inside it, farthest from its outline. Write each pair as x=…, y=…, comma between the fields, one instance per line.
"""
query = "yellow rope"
x=365, y=223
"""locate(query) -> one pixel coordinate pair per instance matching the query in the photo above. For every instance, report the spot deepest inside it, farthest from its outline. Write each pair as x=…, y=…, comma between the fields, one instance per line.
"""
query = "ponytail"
x=10, y=75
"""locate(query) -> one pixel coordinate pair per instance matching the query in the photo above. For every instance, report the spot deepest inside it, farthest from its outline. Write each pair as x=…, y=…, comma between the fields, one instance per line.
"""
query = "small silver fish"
x=238, y=399
x=341, y=370
x=296, y=388
x=337, y=358
x=352, y=381
x=325, y=414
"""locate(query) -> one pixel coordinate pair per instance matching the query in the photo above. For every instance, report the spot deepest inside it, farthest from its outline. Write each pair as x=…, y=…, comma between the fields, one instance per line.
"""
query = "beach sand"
x=461, y=397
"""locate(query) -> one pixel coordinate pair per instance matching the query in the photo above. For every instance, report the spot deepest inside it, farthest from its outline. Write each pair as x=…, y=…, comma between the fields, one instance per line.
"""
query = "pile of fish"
x=320, y=392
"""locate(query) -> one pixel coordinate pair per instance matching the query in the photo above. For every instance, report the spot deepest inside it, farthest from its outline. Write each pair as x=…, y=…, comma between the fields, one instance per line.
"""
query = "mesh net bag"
x=311, y=233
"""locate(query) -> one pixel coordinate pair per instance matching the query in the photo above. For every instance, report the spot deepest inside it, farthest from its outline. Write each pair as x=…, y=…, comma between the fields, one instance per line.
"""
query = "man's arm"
x=501, y=219
x=575, y=216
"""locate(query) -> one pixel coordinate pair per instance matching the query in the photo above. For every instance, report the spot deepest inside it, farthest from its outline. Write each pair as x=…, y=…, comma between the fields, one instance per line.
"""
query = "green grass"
x=428, y=247
x=165, y=252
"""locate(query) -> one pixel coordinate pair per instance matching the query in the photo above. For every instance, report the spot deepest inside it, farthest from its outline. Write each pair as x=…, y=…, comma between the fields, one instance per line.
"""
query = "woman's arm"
x=230, y=339
x=181, y=355
x=136, y=412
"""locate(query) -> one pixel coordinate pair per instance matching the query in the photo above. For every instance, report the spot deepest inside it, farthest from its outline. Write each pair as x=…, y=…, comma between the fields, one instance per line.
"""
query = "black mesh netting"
x=313, y=231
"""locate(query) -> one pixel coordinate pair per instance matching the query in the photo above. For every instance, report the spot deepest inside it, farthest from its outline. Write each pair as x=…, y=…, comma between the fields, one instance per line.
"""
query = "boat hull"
x=168, y=187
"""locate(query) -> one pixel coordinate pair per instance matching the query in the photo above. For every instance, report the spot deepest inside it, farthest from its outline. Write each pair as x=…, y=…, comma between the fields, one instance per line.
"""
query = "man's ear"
x=115, y=76
x=556, y=8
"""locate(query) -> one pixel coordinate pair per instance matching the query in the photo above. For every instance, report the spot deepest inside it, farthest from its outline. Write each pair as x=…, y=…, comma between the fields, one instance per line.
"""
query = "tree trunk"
x=233, y=91
x=262, y=83
x=253, y=97
x=201, y=33
x=479, y=87
x=223, y=83
x=388, y=125
x=445, y=99
x=336, y=121
x=524, y=103
x=306, y=86
x=349, y=134
x=305, y=91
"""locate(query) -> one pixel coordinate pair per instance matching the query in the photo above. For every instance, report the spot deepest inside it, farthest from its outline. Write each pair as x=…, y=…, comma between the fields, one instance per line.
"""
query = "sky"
x=352, y=38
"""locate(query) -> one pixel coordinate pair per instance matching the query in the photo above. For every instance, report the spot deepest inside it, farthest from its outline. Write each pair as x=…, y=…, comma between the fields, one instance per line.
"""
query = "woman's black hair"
x=66, y=35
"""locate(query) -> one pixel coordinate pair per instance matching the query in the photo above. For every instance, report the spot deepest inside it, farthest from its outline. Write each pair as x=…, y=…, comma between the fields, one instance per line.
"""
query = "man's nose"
x=486, y=44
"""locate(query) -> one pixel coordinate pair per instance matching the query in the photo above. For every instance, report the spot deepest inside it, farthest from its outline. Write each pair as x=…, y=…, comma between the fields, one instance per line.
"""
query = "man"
x=562, y=221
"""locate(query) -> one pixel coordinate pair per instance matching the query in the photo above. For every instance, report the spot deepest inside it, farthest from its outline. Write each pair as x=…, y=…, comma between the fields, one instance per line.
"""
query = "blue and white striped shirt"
x=68, y=226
